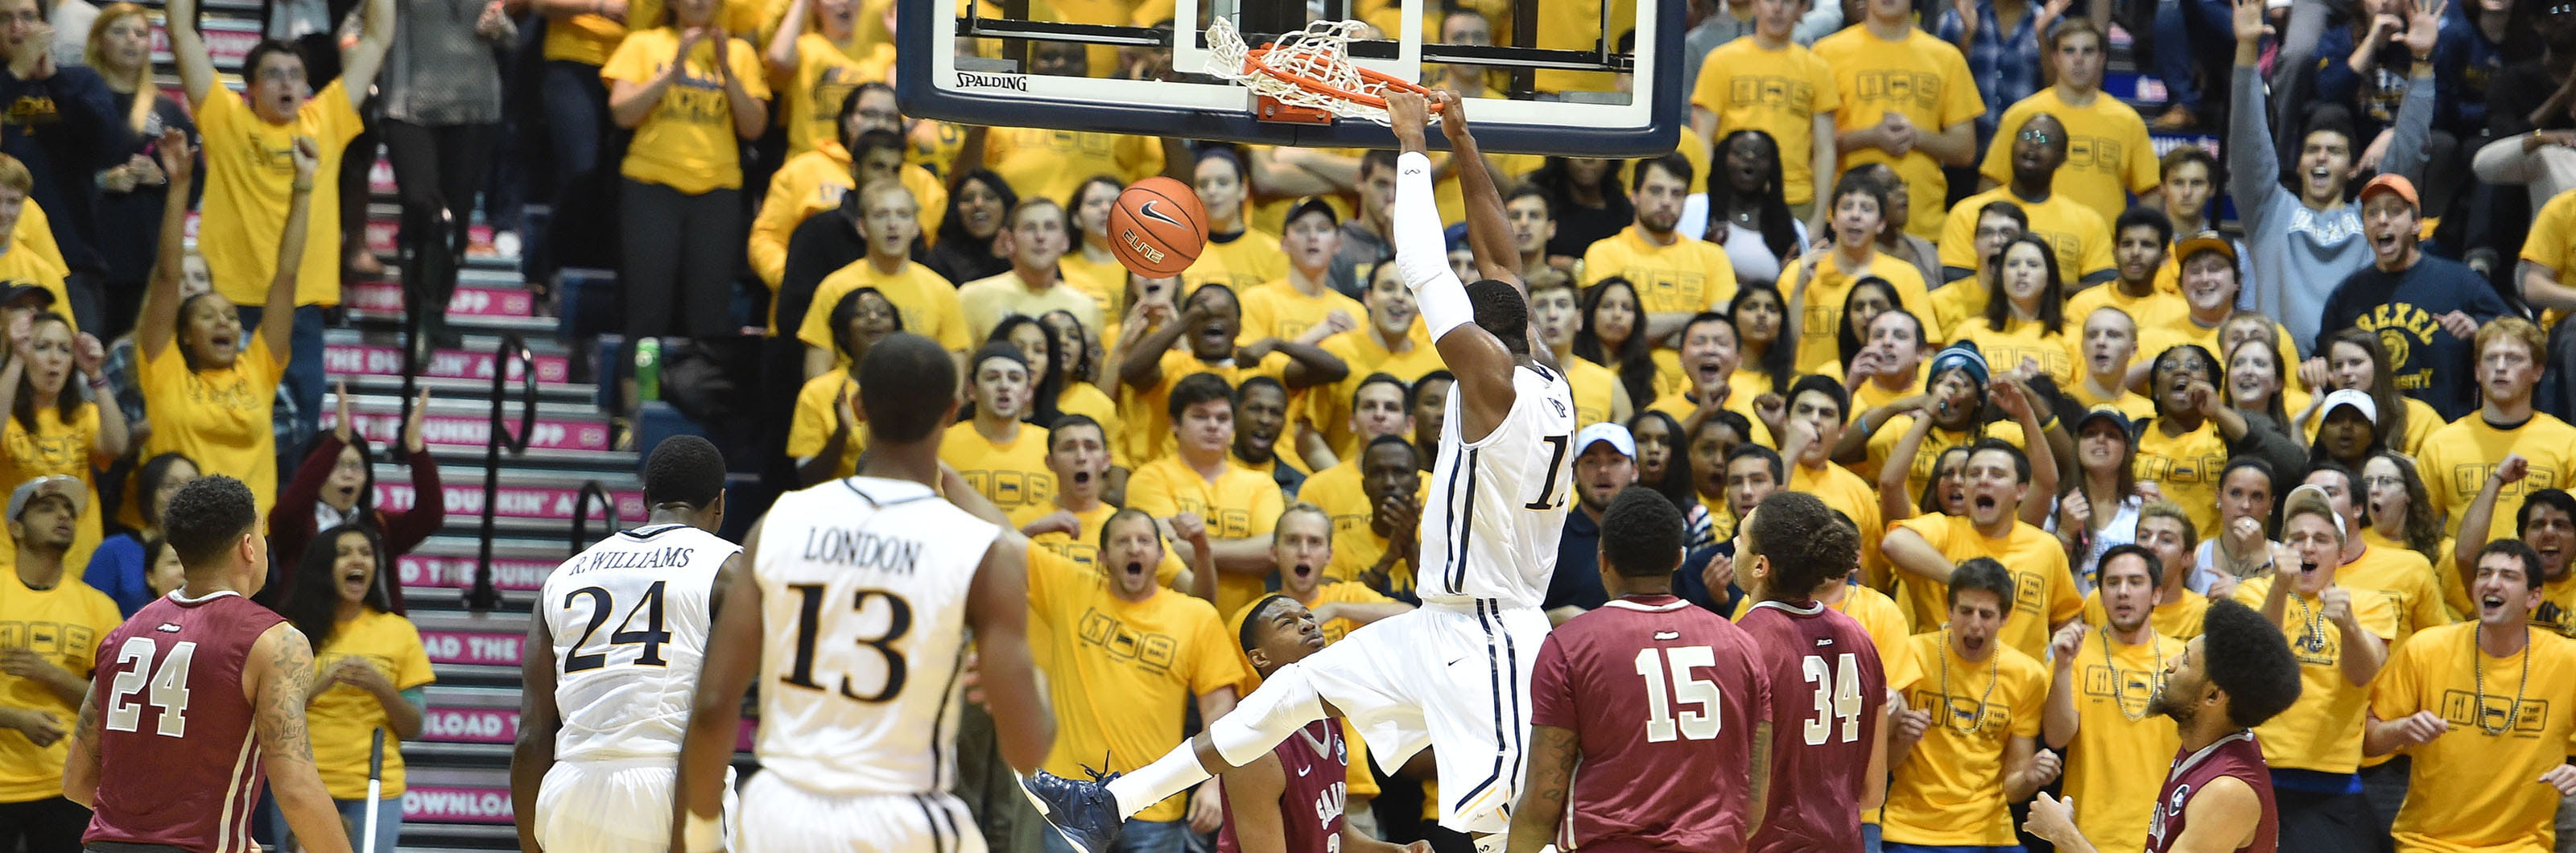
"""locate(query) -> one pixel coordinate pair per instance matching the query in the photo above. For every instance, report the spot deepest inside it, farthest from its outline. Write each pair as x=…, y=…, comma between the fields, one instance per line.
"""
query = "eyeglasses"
x=2038, y=136
x=2382, y=480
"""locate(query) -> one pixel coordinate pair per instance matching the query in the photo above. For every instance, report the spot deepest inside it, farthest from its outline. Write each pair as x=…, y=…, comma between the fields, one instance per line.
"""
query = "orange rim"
x=1252, y=61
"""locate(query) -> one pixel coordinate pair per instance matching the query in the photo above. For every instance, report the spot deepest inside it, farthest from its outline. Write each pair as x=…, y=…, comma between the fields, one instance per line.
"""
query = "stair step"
x=471, y=300
x=518, y=496
x=508, y=574
x=467, y=424
x=474, y=363
x=567, y=393
x=458, y=795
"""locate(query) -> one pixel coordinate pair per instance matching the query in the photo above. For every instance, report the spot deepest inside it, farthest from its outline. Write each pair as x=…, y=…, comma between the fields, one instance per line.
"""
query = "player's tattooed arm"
x=1552, y=755
x=1758, y=792
x=285, y=678
x=80, y=770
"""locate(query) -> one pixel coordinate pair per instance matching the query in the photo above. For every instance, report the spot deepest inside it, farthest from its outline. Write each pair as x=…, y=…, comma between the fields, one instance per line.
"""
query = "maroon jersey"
x=2237, y=755
x=1827, y=692
x=1662, y=697
x=179, y=758
x=1317, y=767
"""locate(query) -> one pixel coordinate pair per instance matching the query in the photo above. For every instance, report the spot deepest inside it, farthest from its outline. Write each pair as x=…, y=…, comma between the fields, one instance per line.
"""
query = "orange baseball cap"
x=2398, y=184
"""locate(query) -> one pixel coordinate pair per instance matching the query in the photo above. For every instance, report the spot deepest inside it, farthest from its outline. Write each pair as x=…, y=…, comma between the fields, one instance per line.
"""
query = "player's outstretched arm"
x=997, y=609
x=1479, y=360
x=1552, y=755
x=276, y=679
x=80, y=767
x=539, y=720
x=1489, y=231
x=2221, y=818
x=715, y=715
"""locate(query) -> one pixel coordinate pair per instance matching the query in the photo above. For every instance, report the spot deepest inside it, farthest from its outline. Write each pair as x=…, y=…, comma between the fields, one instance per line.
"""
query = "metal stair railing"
x=591, y=492
x=482, y=597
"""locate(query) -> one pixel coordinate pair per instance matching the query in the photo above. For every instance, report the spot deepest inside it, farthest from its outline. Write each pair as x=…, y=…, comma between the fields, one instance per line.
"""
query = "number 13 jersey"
x=1497, y=505
x=863, y=585
x=629, y=619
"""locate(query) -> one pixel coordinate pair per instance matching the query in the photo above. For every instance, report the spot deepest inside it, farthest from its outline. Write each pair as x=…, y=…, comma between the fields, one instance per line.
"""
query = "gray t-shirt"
x=440, y=72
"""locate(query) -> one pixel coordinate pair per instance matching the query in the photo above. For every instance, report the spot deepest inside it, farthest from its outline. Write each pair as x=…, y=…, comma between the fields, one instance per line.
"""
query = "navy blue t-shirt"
x=2404, y=310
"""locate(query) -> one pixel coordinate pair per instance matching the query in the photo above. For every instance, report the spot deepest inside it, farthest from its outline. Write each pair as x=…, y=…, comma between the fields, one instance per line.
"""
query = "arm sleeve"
x=1420, y=251
x=2414, y=132
x=2253, y=166
x=407, y=529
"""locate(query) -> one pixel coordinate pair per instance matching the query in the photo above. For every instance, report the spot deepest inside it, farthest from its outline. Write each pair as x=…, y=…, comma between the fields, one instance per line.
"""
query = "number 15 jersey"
x=863, y=585
x=629, y=619
x=1497, y=506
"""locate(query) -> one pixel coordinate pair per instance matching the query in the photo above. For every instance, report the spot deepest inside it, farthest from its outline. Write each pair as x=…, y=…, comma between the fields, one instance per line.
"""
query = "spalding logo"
x=1139, y=246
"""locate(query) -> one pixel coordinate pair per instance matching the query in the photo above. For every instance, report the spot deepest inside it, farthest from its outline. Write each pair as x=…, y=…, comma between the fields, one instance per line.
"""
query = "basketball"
x=1158, y=227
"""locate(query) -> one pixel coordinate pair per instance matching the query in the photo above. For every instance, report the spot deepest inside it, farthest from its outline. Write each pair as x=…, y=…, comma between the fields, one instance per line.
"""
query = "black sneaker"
x=1083, y=812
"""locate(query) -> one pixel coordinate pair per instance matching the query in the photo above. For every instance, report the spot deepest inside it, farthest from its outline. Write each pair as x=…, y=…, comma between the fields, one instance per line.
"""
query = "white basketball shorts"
x=600, y=806
x=779, y=817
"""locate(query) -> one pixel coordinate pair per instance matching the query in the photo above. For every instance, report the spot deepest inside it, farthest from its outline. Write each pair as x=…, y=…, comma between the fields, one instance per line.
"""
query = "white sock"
x=1171, y=774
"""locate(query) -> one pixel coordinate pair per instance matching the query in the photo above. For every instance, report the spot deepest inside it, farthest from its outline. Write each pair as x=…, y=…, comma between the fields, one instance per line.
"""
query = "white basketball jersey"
x=1497, y=506
x=630, y=620
x=863, y=587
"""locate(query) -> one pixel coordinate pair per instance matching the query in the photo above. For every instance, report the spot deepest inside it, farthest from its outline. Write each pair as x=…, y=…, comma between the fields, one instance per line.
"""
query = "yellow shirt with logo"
x=1337, y=491
x=817, y=414
x=344, y=718
x=1358, y=549
x=1011, y=474
x=1120, y=673
x=1920, y=76
x=249, y=181
x=688, y=141
x=2108, y=152
x=1084, y=549
x=987, y=301
x=2043, y=588
x=1327, y=408
x=2026, y=339
x=1086, y=399
x=2454, y=597
x=1571, y=25
x=1276, y=309
x=2405, y=579
x=2421, y=421
x=2456, y=460
x=2116, y=737
x=2131, y=403
x=62, y=447
x=2558, y=606
x=2176, y=328
x=926, y=302
x=2081, y=237
x=2186, y=468
x=1240, y=263
x=2489, y=797
x=1950, y=789
x=1043, y=163
x=1822, y=314
x=2180, y=619
x=1882, y=444
x=1238, y=504
x=1687, y=277
x=1148, y=411
x=825, y=77
x=2322, y=731
x=813, y=182
x=31, y=256
x=1779, y=92
x=1106, y=281
x=63, y=625
x=218, y=417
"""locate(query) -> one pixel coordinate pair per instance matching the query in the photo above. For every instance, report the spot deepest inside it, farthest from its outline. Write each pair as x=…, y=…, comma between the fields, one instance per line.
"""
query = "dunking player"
x=854, y=615
x=196, y=697
x=2218, y=797
x=612, y=661
x=1455, y=673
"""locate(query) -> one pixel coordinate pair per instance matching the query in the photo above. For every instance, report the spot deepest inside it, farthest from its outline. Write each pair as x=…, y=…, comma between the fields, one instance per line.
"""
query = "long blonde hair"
x=145, y=93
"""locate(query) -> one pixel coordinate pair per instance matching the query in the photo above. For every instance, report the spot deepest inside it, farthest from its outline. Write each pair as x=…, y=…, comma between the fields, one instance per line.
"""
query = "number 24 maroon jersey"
x=179, y=755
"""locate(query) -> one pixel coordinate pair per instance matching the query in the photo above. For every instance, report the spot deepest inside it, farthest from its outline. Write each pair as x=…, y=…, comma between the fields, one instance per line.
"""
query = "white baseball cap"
x=1615, y=434
x=2350, y=397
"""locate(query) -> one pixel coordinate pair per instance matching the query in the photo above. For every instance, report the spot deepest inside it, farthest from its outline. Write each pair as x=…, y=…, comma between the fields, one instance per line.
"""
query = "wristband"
x=97, y=383
x=701, y=834
x=302, y=187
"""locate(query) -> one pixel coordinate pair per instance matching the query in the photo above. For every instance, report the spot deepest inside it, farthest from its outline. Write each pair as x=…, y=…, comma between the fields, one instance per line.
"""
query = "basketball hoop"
x=1307, y=76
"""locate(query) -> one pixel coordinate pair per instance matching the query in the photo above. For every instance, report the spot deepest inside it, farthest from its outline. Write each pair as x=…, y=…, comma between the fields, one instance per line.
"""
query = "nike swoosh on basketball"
x=1147, y=210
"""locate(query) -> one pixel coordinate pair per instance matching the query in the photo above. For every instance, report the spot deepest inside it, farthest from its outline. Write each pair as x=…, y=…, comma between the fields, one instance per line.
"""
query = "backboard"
x=1540, y=76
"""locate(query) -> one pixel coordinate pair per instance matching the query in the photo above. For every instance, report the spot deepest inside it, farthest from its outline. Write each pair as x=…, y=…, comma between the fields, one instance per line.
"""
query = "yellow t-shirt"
x=2043, y=588
x=587, y=39
x=2489, y=796
x=1822, y=315
x=1084, y=398
x=249, y=180
x=2322, y=731
x=2186, y=468
x=1681, y=404
x=1569, y=25
x=1841, y=489
x=1595, y=388
x=2456, y=460
x=1238, y=504
x=2454, y=597
x=57, y=447
x=1275, y=308
x=2131, y=403
x=2004, y=349
x=2552, y=244
x=1084, y=550
x=219, y=418
x=1148, y=412
x=926, y=302
x=1920, y=76
x=1337, y=491
x=1119, y=672
x=2115, y=737
x=63, y=625
x=1889, y=632
x=1882, y=444
x=32, y=257
x=2108, y=152
x=343, y=717
x=825, y=76
x=2176, y=328
x=1358, y=549
x=1779, y=92
x=2158, y=307
x=1953, y=304
x=987, y=301
x=813, y=182
x=1011, y=475
x=1950, y=789
x=1687, y=277
x=2406, y=580
x=1240, y=263
x=2081, y=237
x=688, y=142
x=1110, y=296
x=1327, y=408
x=816, y=416
x=2180, y=620
x=1043, y=163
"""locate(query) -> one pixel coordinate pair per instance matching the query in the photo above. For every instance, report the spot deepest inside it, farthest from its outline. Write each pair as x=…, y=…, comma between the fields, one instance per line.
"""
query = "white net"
x=1319, y=53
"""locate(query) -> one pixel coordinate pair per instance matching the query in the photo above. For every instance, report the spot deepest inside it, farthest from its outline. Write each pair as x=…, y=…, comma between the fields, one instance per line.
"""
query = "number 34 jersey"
x=629, y=619
x=863, y=585
x=1497, y=505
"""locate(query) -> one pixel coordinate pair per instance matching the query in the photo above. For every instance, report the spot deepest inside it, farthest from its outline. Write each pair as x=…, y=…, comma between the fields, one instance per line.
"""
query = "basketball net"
x=1308, y=71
